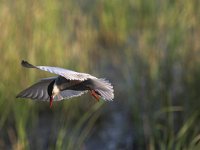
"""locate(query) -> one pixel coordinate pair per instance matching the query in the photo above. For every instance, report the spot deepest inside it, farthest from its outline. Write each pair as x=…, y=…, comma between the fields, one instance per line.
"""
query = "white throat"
x=55, y=90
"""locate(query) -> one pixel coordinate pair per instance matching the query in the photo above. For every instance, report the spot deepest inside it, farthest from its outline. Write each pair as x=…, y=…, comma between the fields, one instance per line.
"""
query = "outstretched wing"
x=68, y=74
x=37, y=91
x=68, y=94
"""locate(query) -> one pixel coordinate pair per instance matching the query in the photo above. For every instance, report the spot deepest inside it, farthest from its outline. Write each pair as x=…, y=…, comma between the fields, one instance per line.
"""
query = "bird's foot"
x=95, y=95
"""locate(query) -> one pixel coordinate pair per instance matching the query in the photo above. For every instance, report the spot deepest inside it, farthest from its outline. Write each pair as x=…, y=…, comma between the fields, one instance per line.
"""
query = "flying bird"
x=65, y=85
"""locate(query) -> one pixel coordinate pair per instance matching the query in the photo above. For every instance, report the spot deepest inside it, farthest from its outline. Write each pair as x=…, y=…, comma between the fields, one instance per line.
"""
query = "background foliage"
x=148, y=49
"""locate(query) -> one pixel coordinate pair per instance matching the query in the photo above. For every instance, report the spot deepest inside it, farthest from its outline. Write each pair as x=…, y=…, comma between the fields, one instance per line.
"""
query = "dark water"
x=112, y=131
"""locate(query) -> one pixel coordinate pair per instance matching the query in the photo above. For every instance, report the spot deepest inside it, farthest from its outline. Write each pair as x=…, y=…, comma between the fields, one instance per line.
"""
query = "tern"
x=65, y=85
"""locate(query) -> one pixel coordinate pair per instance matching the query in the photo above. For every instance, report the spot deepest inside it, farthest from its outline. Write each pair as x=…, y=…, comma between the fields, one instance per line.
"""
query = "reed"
x=149, y=49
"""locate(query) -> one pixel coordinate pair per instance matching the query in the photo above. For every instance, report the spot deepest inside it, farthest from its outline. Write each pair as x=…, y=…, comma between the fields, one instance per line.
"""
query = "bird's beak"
x=51, y=102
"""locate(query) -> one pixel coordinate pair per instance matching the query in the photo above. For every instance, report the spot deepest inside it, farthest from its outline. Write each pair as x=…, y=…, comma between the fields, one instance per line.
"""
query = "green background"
x=149, y=50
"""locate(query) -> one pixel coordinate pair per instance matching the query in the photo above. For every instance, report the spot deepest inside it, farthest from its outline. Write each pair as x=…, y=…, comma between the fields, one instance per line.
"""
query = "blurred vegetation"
x=149, y=49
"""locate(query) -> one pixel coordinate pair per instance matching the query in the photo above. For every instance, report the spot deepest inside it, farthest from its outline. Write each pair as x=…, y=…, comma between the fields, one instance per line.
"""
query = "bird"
x=66, y=84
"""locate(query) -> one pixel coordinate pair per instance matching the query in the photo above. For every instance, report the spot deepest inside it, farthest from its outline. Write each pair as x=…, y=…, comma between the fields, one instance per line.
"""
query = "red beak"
x=51, y=101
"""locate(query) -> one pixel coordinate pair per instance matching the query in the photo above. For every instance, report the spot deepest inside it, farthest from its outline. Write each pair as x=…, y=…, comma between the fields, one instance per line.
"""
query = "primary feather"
x=68, y=74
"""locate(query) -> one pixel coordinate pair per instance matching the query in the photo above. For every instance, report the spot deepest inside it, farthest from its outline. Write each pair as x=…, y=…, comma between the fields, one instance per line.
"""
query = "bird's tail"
x=103, y=88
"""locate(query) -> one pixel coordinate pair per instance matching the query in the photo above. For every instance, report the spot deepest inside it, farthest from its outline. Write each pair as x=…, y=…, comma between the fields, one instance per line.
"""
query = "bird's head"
x=50, y=88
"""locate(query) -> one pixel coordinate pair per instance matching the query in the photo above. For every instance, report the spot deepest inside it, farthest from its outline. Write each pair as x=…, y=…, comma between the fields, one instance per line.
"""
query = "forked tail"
x=103, y=88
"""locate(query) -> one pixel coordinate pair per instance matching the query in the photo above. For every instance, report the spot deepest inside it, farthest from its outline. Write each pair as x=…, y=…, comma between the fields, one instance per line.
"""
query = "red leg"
x=96, y=96
x=51, y=101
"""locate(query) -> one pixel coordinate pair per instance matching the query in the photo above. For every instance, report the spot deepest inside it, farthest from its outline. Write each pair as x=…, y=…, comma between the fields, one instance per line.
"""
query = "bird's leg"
x=94, y=94
x=51, y=101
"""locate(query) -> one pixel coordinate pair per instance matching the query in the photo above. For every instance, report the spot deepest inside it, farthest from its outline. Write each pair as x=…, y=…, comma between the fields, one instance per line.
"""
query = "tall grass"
x=149, y=50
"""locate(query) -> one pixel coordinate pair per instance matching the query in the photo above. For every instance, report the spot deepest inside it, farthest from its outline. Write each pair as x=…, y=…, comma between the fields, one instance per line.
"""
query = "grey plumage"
x=66, y=85
x=37, y=90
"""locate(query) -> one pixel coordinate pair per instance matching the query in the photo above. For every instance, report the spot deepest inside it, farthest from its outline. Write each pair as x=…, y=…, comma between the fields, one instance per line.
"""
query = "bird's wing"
x=66, y=94
x=68, y=74
x=37, y=91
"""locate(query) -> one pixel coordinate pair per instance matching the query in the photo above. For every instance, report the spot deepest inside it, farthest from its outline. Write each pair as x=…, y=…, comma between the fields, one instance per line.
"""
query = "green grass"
x=149, y=49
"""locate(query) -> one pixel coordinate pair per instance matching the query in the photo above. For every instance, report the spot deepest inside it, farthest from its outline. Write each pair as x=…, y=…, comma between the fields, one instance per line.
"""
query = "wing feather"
x=68, y=74
x=66, y=94
x=37, y=91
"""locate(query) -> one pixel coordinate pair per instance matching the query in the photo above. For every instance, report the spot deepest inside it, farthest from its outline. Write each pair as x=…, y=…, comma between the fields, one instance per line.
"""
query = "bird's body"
x=67, y=84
